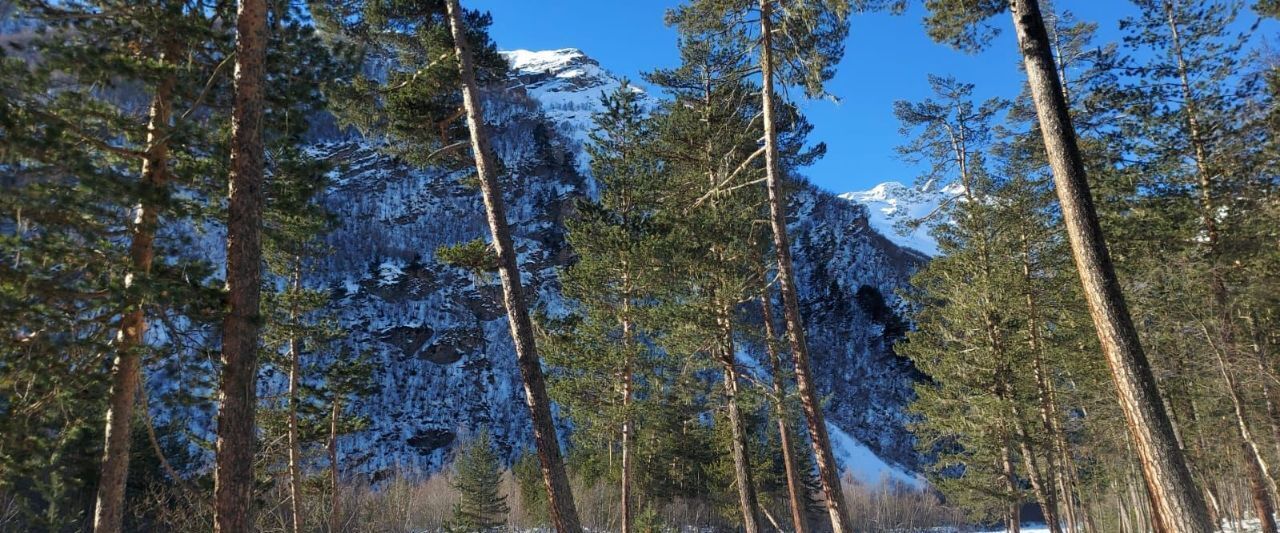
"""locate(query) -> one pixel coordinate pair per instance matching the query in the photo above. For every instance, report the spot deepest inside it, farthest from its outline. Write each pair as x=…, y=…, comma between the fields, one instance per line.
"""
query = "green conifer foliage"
x=477, y=474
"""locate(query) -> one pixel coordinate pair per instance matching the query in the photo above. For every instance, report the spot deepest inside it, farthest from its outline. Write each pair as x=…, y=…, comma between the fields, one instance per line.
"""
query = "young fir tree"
x=477, y=475
x=1178, y=505
x=429, y=102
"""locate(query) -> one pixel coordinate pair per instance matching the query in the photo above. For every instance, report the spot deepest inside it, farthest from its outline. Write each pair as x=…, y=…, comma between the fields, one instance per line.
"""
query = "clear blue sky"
x=887, y=58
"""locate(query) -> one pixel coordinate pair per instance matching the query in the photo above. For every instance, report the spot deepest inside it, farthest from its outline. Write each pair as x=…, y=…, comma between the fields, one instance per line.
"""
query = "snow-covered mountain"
x=896, y=210
x=440, y=336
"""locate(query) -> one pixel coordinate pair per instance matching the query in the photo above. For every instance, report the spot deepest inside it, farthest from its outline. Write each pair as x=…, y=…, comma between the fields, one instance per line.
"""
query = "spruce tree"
x=477, y=476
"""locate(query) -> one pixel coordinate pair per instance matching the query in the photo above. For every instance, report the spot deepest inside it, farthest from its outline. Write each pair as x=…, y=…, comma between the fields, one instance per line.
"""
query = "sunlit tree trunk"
x=126, y=371
x=563, y=513
x=237, y=394
x=738, y=447
x=794, y=490
x=828, y=470
x=1177, y=503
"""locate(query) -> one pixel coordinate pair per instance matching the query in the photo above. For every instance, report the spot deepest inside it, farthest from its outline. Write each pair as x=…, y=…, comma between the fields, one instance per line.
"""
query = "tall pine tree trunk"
x=1055, y=463
x=237, y=394
x=1177, y=503
x=794, y=490
x=628, y=344
x=1013, y=513
x=828, y=470
x=335, y=503
x=1259, y=346
x=295, y=447
x=126, y=371
x=564, y=516
x=738, y=446
x=1255, y=468
x=1043, y=489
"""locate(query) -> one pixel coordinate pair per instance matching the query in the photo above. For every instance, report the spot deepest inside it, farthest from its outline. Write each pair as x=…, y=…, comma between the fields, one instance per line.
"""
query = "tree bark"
x=1259, y=346
x=828, y=470
x=563, y=513
x=1057, y=456
x=628, y=343
x=794, y=491
x=1013, y=516
x=126, y=371
x=738, y=447
x=1255, y=468
x=1177, y=504
x=335, y=515
x=295, y=447
x=1043, y=490
x=237, y=394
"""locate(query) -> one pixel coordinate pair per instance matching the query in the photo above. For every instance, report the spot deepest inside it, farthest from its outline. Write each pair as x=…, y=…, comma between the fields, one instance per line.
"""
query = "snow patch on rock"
x=905, y=214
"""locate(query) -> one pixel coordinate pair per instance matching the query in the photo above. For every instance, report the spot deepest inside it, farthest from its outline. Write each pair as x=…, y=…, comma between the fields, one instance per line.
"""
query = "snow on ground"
x=1248, y=526
x=891, y=204
x=863, y=464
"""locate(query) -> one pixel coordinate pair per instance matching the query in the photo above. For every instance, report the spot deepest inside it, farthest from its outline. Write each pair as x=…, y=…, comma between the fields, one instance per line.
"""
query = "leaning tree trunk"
x=738, y=446
x=563, y=513
x=295, y=447
x=798, y=522
x=126, y=372
x=828, y=470
x=237, y=394
x=1177, y=504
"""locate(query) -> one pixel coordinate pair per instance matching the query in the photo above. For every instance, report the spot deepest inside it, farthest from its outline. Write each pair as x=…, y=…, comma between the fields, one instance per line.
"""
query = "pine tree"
x=78, y=85
x=1178, y=504
x=1194, y=142
x=795, y=44
x=477, y=476
x=618, y=245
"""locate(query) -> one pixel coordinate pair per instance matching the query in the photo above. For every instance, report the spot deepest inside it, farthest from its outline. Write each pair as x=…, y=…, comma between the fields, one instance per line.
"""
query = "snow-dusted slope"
x=567, y=84
x=895, y=210
x=439, y=335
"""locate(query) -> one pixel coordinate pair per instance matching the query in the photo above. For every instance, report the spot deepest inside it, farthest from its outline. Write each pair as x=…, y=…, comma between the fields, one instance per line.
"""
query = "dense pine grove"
x=1095, y=346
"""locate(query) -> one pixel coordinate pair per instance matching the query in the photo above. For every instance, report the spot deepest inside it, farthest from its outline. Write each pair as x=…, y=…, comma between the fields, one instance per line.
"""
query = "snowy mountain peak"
x=568, y=84
x=544, y=61
x=892, y=207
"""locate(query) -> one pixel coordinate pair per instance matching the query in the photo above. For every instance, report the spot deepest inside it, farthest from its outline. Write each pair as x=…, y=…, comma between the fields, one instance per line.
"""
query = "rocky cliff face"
x=439, y=334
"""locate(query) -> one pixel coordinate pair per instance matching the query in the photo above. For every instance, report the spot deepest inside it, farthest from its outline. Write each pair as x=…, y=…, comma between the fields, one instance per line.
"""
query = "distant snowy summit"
x=893, y=208
x=567, y=82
